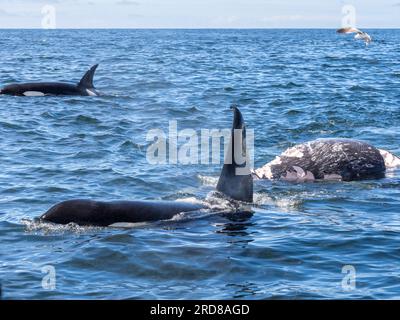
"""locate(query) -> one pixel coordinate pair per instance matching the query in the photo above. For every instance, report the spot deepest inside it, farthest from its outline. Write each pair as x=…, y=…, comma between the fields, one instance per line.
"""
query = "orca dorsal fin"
x=236, y=181
x=87, y=79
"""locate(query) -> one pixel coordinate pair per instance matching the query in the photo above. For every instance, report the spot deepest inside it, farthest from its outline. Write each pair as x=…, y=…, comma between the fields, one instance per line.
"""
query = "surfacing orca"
x=85, y=87
x=235, y=183
x=329, y=159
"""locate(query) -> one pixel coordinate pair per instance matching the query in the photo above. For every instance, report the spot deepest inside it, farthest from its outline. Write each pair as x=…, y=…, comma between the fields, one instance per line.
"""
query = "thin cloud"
x=285, y=18
x=5, y=13
x=33, y=1
x=127, y=3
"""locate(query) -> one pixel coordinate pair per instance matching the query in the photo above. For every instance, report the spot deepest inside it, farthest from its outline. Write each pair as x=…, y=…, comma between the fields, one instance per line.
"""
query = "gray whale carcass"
x=329, y=159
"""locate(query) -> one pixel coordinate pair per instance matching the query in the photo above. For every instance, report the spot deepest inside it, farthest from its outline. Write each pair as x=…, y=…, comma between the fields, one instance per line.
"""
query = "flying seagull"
x=360, y=35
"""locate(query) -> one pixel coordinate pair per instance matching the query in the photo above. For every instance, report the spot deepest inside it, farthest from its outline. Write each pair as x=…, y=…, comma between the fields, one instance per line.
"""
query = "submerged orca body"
x=235, y=182
x=329, y=159
x=97, y=213
x=85, y=87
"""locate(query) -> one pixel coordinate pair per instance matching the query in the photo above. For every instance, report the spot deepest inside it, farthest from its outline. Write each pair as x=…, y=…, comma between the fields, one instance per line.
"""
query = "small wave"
x=128, y=144
x=292, y=112
x=89, y=154
x=333, y=57
x=87, y=119
x=279, y=102
x=361, y=88
x=193, y=109
x=287, y=85
x=156, y=84
x=55, y=189
x=9, y=125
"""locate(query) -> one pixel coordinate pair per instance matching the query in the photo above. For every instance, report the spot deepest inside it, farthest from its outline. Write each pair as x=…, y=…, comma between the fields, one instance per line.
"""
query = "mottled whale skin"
x=329, y=159
x=85, y=87
x=100, y=213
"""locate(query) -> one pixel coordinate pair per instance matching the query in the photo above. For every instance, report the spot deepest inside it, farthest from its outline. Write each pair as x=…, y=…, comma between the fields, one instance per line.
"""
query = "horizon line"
x=194, y=28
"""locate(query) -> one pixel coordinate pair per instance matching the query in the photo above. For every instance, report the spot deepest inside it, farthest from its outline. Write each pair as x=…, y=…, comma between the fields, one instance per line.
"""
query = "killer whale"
x=329, y=159
x=235, y=182
x=85, y=87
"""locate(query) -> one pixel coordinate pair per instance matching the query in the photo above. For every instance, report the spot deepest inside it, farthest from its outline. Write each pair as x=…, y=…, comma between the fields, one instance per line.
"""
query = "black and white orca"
x=85, y=87
x=235, y=182
x=329, y=159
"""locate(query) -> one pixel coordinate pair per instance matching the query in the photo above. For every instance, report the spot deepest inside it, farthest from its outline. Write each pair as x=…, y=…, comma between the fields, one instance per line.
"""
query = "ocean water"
x=292, y=86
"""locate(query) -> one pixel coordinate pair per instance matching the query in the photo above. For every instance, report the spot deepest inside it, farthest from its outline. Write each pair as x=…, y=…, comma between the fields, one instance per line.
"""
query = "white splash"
x=284, y=203
x=49, y=228
x=191, y=200
x=208, y=180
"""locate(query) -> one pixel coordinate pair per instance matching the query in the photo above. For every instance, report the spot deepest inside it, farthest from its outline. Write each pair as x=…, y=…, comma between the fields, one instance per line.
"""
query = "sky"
x=196, y=13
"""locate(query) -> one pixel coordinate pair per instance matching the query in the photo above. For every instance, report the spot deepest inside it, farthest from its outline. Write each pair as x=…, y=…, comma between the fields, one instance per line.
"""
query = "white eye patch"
x=91, y=93
x=33, y=94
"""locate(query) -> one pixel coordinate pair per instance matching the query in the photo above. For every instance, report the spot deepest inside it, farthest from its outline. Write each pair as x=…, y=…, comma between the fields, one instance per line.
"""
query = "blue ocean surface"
x=317, y=240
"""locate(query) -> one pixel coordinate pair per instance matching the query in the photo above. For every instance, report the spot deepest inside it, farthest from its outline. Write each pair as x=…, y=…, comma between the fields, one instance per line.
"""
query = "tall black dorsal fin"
x=236, y=180
x=87, y=79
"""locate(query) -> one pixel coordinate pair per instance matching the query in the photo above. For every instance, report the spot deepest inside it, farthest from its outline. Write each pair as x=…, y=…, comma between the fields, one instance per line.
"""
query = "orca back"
x=85, y=87
x=40, y=88
x=98, y=213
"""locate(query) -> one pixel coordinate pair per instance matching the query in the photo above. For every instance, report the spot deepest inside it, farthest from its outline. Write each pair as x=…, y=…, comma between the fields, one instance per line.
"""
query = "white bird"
x=360, y=35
